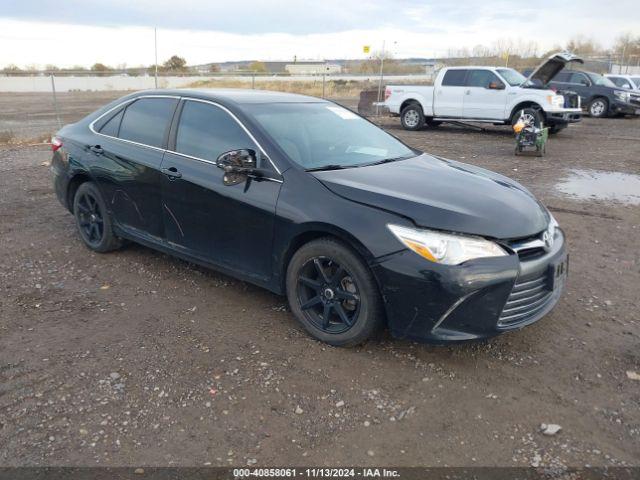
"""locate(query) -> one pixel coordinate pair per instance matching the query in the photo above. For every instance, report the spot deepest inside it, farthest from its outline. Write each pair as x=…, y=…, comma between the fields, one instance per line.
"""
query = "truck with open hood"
x=495, y=95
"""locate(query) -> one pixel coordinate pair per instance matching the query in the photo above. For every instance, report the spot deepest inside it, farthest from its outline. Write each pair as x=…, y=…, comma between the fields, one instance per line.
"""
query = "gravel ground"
x=136, y=358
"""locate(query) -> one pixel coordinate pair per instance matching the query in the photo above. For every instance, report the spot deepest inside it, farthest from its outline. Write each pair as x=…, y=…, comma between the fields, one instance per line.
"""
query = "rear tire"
x=333, y=294
x=412, y=117
x=598, y=108
x=93, y=220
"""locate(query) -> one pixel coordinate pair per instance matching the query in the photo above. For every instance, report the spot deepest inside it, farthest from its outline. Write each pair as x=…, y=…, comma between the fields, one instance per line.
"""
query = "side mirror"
x=627, y=86
x=496, y=86
x=238, y=165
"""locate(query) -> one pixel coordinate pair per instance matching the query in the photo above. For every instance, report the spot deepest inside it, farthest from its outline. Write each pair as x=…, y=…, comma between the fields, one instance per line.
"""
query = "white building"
x=312, y=68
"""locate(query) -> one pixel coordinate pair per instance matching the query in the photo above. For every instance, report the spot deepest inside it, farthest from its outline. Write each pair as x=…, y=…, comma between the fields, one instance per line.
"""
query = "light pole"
x=155, y=44
x=380, y=80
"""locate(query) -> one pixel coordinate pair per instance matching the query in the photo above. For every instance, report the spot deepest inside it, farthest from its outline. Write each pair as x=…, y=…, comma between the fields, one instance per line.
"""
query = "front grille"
x=571, y=98
x=635, y=99
x=528, y=297
x=531, y=253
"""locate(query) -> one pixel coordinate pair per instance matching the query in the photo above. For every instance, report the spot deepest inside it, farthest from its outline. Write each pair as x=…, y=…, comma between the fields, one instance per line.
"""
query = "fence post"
x=323, y=81
x=55, y=101
x=253, y=81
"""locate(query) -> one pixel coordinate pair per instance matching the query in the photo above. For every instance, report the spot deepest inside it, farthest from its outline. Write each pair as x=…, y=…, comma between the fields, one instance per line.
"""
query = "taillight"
x=387, y=93
x=56, y=144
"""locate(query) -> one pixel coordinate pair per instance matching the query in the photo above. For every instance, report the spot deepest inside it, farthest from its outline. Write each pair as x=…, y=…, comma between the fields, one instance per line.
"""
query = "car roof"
x=239, y=96
x=467, y=67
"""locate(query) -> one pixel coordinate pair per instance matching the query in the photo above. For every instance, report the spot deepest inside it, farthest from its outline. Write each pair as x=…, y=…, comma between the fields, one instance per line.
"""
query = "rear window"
x=454, y=78
x=146, y=121
x=112, y=126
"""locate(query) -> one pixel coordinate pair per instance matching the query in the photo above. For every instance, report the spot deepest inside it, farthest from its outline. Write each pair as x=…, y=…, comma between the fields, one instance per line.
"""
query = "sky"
x=116, y=32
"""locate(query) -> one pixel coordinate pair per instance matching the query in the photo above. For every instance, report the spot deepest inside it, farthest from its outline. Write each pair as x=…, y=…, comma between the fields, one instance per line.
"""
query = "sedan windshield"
x=636, y=80
x=323, y=135
x=512, y=77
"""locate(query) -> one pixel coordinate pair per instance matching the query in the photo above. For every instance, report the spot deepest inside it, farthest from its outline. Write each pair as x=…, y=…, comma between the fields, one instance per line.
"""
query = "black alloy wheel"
x=92, y=219
x=333, y=293
x=328, y=295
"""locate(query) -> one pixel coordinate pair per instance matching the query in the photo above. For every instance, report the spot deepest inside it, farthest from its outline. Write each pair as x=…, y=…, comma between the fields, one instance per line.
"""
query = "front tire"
x=333, y=294
x=93, y=220
x=599, y=108
x=412, y=117
x=528, y=113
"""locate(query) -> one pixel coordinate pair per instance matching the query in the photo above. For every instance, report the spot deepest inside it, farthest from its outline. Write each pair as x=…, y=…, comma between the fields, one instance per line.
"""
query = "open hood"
x=551, y=66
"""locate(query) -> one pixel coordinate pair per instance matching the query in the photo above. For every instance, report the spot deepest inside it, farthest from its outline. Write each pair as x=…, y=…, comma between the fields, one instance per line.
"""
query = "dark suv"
x=598, y=94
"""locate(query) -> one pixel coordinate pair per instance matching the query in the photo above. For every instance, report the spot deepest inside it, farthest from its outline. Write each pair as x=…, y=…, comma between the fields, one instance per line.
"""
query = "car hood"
x=551, y=66
x=444, y=195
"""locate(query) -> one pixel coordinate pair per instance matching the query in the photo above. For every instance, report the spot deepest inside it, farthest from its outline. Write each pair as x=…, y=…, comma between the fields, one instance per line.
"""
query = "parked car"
x=598, y=94
x=306, y=198
x=494, y=95
x=629, y=82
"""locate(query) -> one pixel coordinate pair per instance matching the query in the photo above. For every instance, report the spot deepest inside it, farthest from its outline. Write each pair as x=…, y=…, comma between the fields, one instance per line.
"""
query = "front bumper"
x=623, y=108
x=435, y=303
x=562, y=118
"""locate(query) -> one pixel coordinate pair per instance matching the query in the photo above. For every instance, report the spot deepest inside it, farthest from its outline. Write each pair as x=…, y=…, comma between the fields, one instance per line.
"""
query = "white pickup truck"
x=495, y=95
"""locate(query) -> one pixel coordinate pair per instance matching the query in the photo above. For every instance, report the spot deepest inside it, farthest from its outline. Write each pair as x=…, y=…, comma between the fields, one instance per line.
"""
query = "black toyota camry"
x=306, y=198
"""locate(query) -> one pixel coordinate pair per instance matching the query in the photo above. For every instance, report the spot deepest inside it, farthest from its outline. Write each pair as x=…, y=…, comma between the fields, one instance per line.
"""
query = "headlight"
x=556, y=100
x=445, y=248
x=622, y=96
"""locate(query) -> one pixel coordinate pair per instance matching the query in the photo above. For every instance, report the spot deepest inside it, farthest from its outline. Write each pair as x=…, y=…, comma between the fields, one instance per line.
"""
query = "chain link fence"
x=36, y=105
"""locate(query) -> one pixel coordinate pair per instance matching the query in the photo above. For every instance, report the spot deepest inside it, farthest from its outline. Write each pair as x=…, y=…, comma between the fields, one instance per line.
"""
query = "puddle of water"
x=599, y=185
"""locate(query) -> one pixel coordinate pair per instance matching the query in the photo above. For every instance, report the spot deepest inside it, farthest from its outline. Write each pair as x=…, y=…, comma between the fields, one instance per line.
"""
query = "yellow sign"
x=366, y=49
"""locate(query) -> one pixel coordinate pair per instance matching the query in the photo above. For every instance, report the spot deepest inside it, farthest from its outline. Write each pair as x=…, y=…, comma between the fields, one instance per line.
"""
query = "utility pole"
x=380, y=80
x=155, y=43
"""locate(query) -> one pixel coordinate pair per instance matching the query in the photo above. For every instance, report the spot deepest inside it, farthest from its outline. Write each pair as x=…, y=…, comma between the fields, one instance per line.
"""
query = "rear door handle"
x=96, y=149
x=172, y=172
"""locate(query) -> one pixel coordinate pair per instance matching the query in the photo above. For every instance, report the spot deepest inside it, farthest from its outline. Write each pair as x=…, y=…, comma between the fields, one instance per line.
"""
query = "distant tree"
x=175, y=63
x=213, y=68
x=11, y=68
x=584, y=46
x=51, y=67
x=100, y=67
x=258, y=67
x=626, y=45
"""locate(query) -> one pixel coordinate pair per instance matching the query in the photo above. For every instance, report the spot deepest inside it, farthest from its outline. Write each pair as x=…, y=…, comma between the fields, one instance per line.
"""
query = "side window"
x=562, y=77
x=579, y=78
x=112, y=126
x=146, y=120
x=454, y=78
x=206, y=131
x=481, y=78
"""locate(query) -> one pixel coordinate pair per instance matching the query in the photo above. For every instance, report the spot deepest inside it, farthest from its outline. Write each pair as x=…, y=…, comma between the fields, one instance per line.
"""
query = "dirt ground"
x=136, y=358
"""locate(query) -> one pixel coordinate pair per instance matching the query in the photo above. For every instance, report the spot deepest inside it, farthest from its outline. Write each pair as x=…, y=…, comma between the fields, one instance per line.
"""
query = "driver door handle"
x=96, y=149
x=172, y=172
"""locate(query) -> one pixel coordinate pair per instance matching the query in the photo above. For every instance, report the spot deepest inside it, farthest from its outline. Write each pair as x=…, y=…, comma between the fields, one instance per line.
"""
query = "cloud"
x=121, y=31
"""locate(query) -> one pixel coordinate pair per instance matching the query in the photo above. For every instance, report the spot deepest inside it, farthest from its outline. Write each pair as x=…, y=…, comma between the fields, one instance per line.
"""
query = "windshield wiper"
x=387, y=160
x=331, y=166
